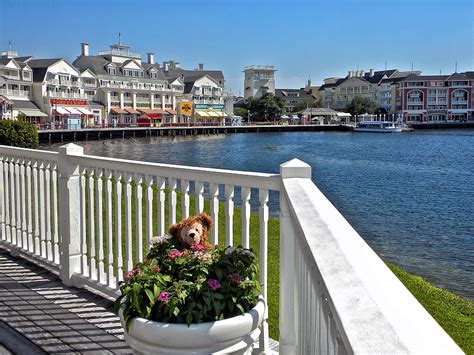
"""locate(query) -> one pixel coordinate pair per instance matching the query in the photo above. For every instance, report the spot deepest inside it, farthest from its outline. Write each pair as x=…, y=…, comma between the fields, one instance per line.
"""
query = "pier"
x=67, y=135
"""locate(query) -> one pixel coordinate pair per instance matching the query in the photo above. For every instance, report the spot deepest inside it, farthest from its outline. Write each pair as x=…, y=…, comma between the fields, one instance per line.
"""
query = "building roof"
x=414, y=77
x=24, y=104
x=97, y=64
x=23, y=59
x=303, y=94
x=190, y=75
x=469, y=74
x=43, y=63
x=458, y=76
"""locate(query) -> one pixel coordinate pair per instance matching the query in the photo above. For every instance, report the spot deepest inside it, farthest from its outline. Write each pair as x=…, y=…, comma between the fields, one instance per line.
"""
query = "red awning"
x=132, y=111
x=152, y=115
x=171, y=112
x=117, y=110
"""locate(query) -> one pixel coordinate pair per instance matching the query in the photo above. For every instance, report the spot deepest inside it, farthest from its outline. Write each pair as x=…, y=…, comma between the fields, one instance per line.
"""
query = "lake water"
x=409, y=195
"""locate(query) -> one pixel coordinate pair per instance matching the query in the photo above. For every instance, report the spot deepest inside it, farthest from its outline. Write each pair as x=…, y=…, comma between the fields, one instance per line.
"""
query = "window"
x=153, y=75
x=111, y=71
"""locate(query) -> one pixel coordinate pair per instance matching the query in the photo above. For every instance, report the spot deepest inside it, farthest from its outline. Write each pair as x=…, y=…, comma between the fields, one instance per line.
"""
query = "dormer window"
x=111, y=71
x=153, y=75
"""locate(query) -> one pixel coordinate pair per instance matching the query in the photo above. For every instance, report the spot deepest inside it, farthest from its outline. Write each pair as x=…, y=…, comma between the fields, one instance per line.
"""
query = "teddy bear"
x=191, y=231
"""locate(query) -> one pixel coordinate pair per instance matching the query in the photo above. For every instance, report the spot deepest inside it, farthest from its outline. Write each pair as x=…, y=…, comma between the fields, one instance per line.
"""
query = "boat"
x=377, y=126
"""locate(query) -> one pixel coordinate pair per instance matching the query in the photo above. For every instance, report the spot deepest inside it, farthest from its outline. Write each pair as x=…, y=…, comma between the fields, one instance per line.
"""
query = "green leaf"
x=150, y=295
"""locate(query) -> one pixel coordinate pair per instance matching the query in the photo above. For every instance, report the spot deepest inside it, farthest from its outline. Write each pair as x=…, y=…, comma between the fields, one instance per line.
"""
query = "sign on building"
x=186, y=108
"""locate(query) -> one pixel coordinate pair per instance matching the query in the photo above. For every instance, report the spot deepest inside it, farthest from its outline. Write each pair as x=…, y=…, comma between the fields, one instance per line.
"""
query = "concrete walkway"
x=38, y=314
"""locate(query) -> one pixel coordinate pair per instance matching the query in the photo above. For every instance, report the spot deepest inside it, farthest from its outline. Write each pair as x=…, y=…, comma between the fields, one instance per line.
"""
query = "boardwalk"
x=40, y=315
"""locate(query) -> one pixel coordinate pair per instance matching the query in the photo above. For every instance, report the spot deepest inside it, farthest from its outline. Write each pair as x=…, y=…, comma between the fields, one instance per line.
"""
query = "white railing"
x=68, y=95
x=18, y=93
x=336, y=294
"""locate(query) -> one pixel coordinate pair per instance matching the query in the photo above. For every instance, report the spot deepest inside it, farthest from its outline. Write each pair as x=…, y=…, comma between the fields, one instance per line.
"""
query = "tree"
x=302, y=105
x=361, y=105
x=265, y=108
x=242, y=112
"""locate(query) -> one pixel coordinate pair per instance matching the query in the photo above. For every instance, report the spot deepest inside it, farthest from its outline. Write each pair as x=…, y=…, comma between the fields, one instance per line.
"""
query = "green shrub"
x=18, y=134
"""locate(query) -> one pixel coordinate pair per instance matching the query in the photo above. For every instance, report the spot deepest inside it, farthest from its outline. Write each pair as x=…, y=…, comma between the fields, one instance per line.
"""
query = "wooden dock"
x=66, y=135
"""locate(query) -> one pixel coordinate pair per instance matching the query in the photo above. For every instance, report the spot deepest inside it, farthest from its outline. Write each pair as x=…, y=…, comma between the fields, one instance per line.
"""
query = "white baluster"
x=245, y=193
x=47, y=191
x=229, y=215
x=36, y=209
x=160, y=204
x=214, y=192
x=29, y=207
x=139, y=219
x=118, y=227
x=6, y=192
x=100, y=227
x=172, y=201
x=199, y=187
x=42, y=210
x=18, y=202
x=54, y=182
x=109, y=228
x=128, y=223
x=24, y=241
x=149, y=211
x=83, y=231
x=92, y=241
x=2, y=201
x=263, y=217
x=184, y=199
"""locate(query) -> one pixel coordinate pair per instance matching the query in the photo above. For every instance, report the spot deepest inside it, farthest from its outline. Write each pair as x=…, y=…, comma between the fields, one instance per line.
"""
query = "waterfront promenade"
x=68, y=135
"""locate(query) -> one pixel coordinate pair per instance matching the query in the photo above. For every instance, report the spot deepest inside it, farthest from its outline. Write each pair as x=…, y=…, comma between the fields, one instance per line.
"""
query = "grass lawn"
x=453, y=313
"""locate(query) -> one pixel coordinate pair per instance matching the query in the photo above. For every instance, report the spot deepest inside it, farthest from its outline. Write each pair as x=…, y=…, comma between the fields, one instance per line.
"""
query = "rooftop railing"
x=91, y=218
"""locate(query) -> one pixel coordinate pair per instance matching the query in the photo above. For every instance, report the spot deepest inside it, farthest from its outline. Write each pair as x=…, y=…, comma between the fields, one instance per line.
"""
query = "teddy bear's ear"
x=173, y=231
x=205, y=220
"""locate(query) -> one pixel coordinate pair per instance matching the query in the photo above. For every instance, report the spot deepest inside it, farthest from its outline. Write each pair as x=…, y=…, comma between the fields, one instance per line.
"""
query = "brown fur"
x=192, y=230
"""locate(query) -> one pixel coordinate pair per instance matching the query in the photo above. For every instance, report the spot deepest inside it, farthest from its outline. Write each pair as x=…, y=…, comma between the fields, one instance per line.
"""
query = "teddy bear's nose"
x=191, y=235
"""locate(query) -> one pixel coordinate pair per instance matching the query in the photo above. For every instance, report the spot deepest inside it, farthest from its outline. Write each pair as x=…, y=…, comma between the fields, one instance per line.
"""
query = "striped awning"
x=212, y=114
x=132, y=111
x=33, y=113
x=171, y=112
x=117, y=110
x=202, y=114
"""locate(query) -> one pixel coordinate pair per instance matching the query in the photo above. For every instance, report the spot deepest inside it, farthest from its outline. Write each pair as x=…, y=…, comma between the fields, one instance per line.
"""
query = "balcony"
x=90, y=85
x=15, y=93
x=65, y=95
x=59, y=82
x=336, y=295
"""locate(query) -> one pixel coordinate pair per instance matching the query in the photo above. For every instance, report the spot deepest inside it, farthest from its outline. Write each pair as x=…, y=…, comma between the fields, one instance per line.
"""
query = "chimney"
x=165, y=66
x=362, y=73
x=372, y=71
x=85, y=49
x=151, y=58
x=349, y=74
x=200, y=66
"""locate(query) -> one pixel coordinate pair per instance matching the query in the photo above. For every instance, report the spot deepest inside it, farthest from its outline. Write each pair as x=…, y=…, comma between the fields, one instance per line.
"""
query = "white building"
x=58, y=91
x=16, y=83
x=258, y=80
x=131, y=91
x=204, y=89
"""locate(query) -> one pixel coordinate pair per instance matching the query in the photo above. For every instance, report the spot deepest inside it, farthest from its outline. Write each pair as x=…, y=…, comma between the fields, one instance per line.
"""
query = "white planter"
x=235, y=335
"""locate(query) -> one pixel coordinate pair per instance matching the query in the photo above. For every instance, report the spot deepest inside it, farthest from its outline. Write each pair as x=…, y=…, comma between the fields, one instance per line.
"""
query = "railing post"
x=70, y=213
x=288, y=293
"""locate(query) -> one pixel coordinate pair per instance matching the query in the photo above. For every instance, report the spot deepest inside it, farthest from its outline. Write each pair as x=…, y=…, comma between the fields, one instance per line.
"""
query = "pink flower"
x=234, y=279
x=198, y=247
x=163, y=297
x=214, y=284
x=202, y=256
x=173, y=254
x=155, y=268
x=131, y=273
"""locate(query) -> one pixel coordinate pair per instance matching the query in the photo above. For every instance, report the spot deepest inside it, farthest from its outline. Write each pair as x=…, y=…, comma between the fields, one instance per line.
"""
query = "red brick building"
x=431, y=98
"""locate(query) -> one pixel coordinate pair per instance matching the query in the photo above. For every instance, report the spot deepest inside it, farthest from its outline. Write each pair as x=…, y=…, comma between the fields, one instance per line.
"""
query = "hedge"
x=18, y=134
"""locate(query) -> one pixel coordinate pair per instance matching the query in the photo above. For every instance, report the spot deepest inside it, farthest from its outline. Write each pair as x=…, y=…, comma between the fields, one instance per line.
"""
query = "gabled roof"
x=414, y=77
x=458, y=76
x=332, y=85
x=23, y=59
x=195, y=74
x=303, y=94
x=97, y=65
x=43, y=63
x=24, y=104
x=469, y=74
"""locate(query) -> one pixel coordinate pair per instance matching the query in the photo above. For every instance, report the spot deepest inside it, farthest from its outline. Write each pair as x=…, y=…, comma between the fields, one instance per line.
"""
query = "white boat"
x=377, y=126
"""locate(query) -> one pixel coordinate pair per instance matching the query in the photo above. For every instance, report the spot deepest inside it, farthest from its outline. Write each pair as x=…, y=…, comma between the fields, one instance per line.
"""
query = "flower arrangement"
x=190, y=285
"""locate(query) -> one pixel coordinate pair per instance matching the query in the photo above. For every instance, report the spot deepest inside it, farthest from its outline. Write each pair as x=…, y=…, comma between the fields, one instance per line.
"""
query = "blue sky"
x=301, y=38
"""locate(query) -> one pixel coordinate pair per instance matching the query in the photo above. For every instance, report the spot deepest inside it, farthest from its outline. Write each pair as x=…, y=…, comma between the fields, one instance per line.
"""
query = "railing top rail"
x=373, y=311
x=28, y=153
x=211, y=175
